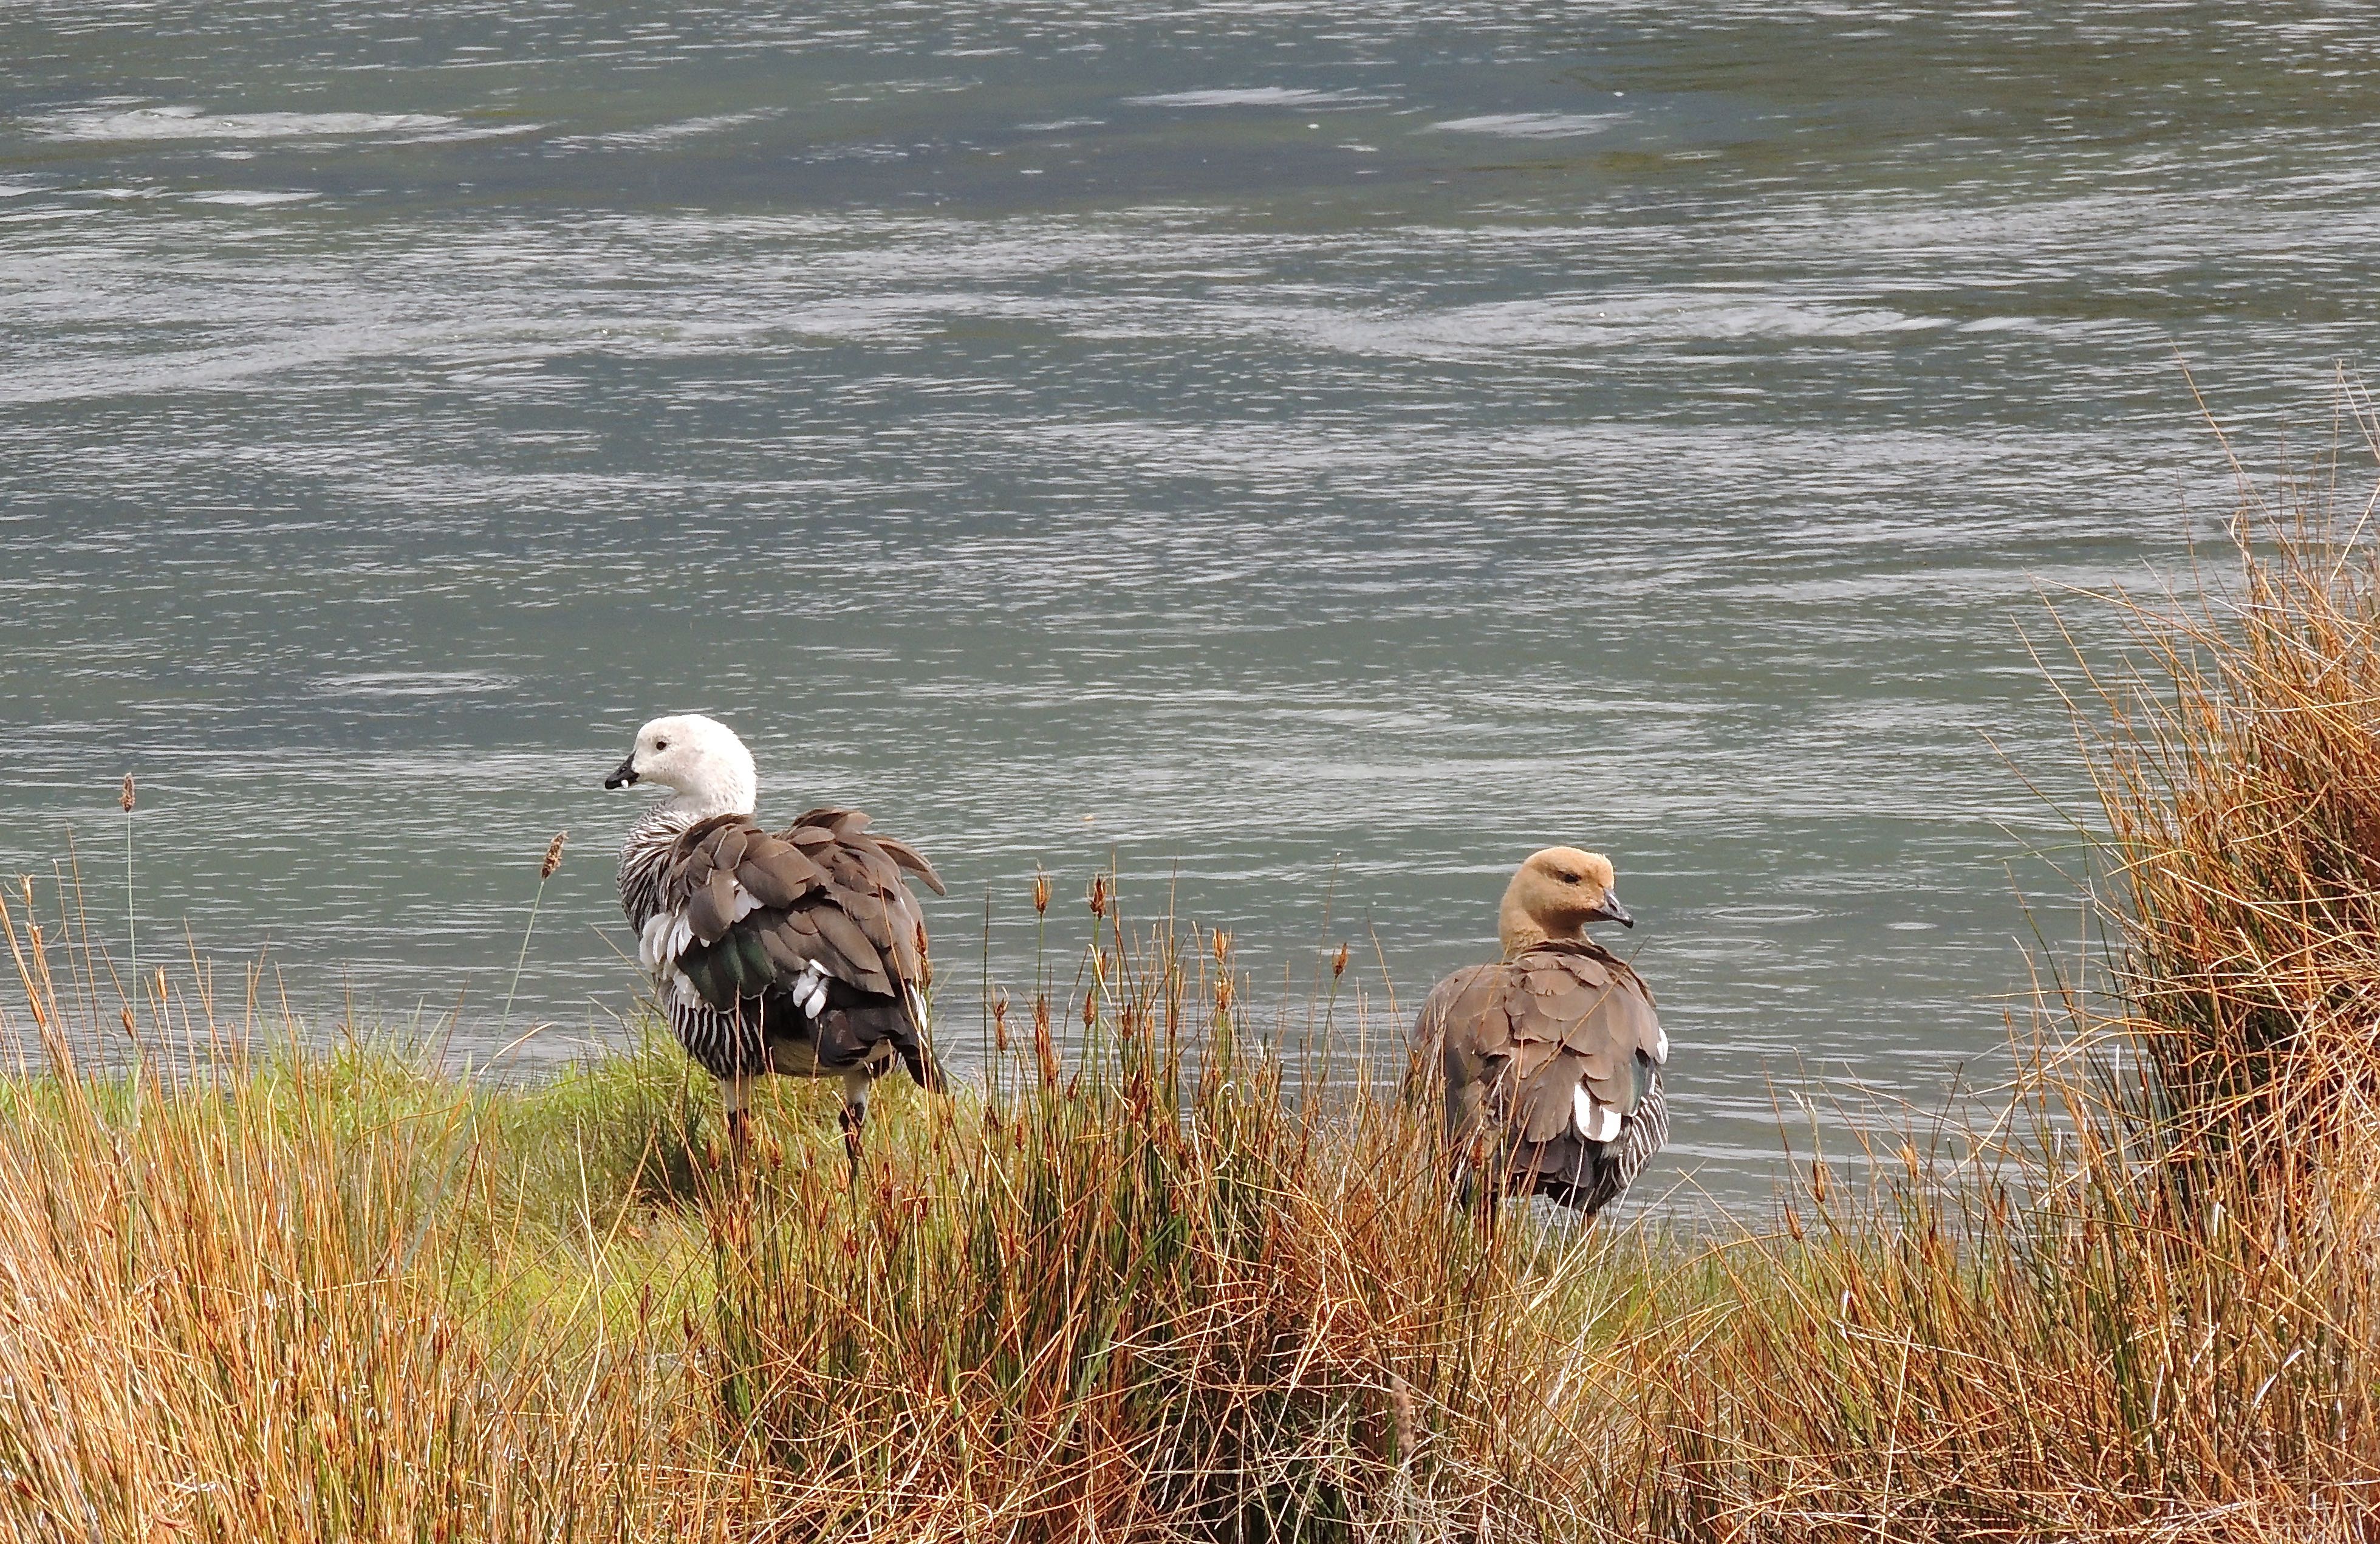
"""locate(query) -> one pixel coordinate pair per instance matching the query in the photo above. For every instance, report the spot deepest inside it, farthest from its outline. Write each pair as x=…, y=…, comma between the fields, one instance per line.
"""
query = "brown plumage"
x=1548, y=1060
x=833, y=899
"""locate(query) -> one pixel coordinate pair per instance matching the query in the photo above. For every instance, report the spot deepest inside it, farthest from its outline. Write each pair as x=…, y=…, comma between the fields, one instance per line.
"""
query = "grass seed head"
x=1045, y=1047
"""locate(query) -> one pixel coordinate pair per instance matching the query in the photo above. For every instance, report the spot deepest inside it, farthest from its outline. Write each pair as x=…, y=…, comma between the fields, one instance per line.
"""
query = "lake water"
x=1312, y=454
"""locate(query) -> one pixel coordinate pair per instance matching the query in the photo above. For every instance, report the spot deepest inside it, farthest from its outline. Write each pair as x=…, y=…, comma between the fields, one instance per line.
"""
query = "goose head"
x=699, y=760
x=1557, y=892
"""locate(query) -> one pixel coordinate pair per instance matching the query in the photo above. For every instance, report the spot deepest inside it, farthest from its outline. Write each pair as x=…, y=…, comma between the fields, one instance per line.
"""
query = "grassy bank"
x=255, y=1292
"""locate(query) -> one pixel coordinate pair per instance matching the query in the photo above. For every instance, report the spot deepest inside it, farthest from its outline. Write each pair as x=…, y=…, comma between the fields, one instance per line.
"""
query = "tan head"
x=1557, y=892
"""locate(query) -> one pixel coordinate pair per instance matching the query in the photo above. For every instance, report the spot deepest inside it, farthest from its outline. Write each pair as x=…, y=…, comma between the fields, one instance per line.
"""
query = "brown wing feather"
x=724, y=848
x=875, y=861
x=828, y=892
x=802, y=931
x=908, y=958
x=785, y=947
x=1456, y=1040
x=1513, y=1041
x=912, y=859
x=846, y=869
x=699, y=881
x=868, y=908
x=775, y=871
x=848, y=955
x=1543, y=1100
x=1599, y=1012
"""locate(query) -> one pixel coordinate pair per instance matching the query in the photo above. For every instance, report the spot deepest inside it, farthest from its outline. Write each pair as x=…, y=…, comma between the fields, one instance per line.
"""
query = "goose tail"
x=915, y=1047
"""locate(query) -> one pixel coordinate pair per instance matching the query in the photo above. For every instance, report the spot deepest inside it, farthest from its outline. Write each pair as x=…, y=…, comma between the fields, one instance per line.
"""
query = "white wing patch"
x=666, y=934
x=659, y=943
x=662, y=939
x=1593, y=1119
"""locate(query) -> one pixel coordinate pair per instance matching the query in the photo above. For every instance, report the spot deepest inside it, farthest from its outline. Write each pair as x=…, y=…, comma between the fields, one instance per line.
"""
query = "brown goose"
x=798, y=951
x=1551, y=1057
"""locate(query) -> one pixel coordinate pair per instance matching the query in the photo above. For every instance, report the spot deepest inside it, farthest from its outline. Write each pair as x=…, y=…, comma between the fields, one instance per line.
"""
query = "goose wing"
x=746, y=910
x=1455, y=1039
x=1583, y=1037
x=1456, y=1030
x=1558, y=1041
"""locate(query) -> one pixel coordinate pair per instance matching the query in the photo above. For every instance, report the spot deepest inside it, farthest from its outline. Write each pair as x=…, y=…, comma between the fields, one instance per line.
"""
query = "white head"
x=699, y=760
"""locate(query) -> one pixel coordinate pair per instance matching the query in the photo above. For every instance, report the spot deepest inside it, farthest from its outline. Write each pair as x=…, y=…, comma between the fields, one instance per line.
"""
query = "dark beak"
x=1610, y=910
x=623, y=774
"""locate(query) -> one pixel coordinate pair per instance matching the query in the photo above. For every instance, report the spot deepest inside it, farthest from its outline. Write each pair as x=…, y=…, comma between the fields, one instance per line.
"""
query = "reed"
x=1161, y=1278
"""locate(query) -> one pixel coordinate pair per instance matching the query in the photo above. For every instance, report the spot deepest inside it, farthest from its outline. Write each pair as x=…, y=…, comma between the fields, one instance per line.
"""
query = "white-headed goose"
x=1551, y=1057
x=798, y=951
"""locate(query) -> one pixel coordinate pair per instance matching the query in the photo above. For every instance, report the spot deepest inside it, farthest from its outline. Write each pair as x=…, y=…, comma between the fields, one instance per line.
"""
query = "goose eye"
x=660, y=744
x=1567, y=878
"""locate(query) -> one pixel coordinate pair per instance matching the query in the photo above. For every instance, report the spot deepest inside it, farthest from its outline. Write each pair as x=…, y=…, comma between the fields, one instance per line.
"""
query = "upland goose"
x=1550, y=1058
x=798, y=951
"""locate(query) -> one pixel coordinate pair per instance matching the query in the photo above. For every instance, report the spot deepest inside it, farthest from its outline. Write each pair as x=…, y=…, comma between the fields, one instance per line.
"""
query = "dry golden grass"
x=1142, y=1292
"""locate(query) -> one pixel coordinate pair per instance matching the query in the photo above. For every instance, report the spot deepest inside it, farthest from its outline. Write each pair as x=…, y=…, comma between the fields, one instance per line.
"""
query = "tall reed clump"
x=2148, y=1304
x=1153, y=1297
x=2240, y=772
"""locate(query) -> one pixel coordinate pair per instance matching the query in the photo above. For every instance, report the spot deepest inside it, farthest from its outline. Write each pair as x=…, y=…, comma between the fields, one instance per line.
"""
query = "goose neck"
x=687, y=807
x=1521, y=933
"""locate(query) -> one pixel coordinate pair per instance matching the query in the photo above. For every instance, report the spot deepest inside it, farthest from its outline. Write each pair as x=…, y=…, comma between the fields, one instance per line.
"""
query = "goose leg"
x=853, y=1115
x=739, y=1123
x=850, y=1117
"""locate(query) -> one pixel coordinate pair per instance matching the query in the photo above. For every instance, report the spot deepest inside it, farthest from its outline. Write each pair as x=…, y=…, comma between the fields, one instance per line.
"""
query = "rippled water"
x=1314, y=453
